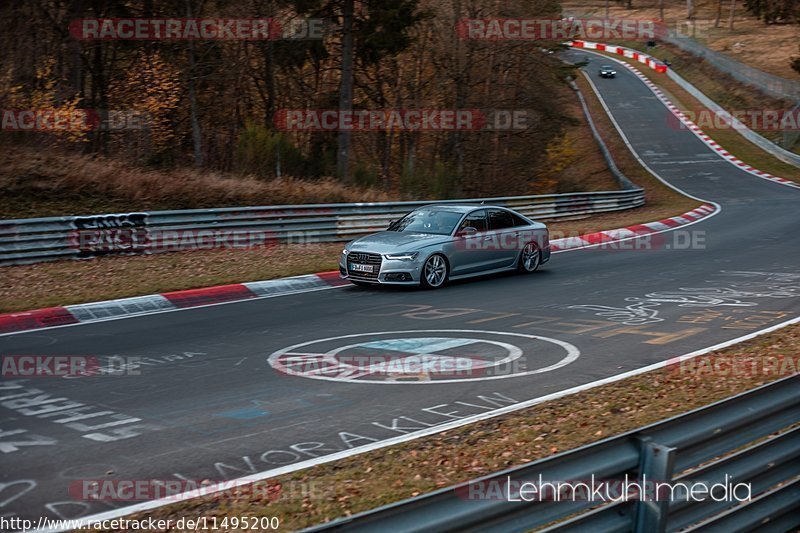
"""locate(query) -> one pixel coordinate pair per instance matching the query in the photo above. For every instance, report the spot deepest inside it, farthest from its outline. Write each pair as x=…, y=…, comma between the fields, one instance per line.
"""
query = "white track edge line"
x=266, y=474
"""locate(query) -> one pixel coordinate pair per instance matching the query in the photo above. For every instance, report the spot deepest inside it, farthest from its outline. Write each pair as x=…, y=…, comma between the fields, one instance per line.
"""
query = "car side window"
x=519, y=221
x=499, y=219
x=475, y=220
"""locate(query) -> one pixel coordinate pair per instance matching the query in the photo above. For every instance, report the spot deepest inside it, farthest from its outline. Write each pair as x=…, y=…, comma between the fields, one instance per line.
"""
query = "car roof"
x=459, y=208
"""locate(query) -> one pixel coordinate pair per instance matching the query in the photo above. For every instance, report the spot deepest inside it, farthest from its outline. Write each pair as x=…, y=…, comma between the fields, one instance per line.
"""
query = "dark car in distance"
x=607, y=71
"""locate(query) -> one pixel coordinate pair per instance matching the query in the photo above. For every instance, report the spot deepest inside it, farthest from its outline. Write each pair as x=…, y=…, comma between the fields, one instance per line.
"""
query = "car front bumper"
x=390, y=271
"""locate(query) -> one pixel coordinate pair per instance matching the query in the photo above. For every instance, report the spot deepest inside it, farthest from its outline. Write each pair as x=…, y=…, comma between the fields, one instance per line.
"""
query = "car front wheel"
x=530, y=258
x=434, y=272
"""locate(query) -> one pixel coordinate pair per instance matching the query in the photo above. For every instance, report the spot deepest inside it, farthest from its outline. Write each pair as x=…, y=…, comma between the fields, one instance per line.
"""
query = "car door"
x=469, y=254
x=504, y=235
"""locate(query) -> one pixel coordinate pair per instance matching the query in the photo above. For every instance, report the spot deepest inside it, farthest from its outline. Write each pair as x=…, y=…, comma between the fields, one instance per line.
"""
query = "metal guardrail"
x=762, y=142
x=45, y=239
x=735, y=437
x=767, y=83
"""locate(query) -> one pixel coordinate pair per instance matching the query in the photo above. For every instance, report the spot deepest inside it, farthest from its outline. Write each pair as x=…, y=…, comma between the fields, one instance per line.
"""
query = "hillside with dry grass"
x=35, y=183
x=60, y=182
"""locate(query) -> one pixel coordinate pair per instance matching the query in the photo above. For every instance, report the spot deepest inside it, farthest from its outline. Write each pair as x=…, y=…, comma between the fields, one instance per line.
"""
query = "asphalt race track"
x=206, y=404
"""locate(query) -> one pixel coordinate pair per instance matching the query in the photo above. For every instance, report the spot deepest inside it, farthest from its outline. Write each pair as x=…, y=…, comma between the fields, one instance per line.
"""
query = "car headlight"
x=410, y=256
x=345, y=251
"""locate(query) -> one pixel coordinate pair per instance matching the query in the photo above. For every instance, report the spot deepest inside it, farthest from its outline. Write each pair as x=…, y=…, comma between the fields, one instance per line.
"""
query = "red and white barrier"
x=641, y=57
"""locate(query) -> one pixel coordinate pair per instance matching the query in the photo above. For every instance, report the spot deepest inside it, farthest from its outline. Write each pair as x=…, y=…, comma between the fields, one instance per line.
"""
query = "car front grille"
x=364, y=258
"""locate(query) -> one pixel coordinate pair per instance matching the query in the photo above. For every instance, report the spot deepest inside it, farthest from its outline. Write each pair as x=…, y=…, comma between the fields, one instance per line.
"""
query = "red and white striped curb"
x=691, y=126
x=641, y=57
x=170, y=301
x=638, y=230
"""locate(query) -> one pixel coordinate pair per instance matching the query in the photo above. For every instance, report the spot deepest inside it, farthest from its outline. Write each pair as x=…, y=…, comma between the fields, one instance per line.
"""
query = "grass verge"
x=375, y=478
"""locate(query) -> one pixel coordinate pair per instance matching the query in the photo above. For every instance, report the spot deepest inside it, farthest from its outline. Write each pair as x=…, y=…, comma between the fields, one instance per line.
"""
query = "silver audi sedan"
x=437, y=243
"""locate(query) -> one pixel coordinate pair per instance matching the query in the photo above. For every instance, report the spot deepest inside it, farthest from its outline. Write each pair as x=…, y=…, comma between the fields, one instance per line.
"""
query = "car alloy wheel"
x=530, y=258
x=434, y=273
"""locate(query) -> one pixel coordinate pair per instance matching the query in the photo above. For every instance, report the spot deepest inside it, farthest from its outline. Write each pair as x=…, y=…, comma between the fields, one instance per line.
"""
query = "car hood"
x=395, y=241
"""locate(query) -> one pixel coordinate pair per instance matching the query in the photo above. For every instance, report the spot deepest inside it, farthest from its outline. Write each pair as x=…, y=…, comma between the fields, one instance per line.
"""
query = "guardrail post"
x=656, y=463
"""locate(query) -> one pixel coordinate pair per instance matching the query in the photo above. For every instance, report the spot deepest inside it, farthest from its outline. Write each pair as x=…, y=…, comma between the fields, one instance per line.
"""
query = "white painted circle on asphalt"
x=416, y=360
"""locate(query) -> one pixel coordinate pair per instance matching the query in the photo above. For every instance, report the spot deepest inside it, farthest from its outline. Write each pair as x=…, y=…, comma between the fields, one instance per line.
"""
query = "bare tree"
x=197, y=136
x=345, y=91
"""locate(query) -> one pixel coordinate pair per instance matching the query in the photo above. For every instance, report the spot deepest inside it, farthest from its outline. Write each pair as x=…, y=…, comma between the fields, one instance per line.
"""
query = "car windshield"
x=606, y=67
x=435, y=221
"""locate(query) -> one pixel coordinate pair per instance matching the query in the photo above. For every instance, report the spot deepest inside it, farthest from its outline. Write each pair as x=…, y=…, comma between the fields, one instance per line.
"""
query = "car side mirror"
x=469, y=231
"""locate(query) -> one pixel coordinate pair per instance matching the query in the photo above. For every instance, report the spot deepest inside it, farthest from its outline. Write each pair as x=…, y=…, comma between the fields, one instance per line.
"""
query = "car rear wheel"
x=434, y=272
x=530, y=258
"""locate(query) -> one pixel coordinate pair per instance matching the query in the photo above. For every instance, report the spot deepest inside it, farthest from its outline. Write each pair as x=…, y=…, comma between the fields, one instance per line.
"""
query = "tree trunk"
x=453, y=147
x=345, y=91
x=197, y=140
x=733, y=13
x=76, y=61
x=99, y=96
x=269, y=81
x=719, y=14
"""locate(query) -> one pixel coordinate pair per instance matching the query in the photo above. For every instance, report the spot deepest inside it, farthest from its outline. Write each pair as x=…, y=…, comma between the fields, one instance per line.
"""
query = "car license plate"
x=360, y=268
